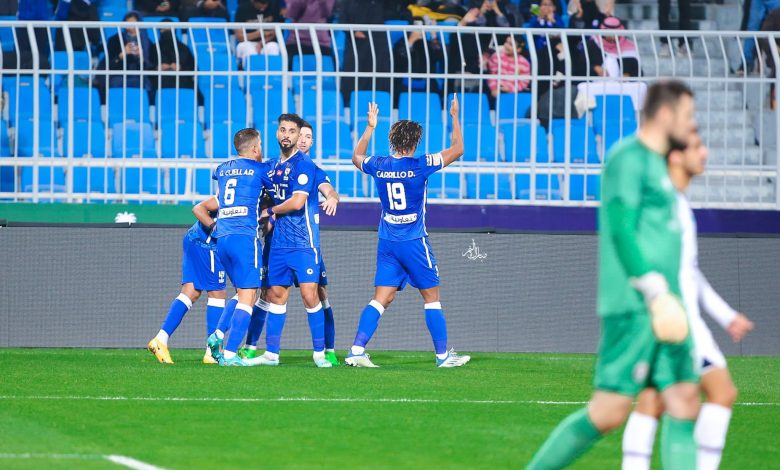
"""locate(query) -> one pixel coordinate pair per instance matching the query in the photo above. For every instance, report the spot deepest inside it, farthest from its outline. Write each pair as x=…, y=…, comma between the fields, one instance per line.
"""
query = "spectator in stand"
x=584, y=14
x=549, y=48
x=212, y=9
x=309, y=11
x=251, y=42
x=611, y=56
x=759, y=10
x=358, y=56
x=129, y=50
x=173, y=56
x=157, y=7
x=77, y=10
x=547, y=17
x=21, y=56
x=418, y=54
x=11, y=7
x=684, y=24
x=509, y=61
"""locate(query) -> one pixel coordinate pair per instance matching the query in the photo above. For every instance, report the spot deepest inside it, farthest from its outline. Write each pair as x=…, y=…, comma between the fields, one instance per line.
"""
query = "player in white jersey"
x=716, y=383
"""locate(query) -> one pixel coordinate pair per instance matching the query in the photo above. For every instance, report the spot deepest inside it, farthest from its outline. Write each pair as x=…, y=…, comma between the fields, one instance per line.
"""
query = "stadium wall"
x=109, y=286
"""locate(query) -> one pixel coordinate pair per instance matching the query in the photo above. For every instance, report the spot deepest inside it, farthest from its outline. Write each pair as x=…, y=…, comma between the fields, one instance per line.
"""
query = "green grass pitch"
x=493, y=413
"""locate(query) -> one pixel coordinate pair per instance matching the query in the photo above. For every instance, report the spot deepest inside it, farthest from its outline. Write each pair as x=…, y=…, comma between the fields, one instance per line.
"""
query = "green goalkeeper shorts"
x=631, y=359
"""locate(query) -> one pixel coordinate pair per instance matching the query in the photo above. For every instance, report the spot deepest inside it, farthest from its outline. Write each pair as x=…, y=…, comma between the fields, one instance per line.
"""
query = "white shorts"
x=708, y=354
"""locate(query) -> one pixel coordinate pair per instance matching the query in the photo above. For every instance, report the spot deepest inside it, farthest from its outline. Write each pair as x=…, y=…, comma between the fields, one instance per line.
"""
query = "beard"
x=286, y=148
x=676, y=144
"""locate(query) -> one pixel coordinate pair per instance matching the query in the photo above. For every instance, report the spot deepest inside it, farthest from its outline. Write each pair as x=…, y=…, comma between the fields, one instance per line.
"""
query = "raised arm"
x=455, y=150
x=202, y=210
x=359, y=154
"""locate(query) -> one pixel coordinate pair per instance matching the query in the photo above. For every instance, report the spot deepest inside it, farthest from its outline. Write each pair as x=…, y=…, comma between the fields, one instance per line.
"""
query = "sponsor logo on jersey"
x=400, y=219
x=433, y=160
x=395, y=174
x=237, y=211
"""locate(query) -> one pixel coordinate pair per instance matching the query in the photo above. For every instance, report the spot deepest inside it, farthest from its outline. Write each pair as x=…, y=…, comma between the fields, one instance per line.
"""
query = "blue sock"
x=316, y=319
x=330, y=326
x=238, y=326
x=437, y=325
x=274, y=326
x=259, y=313
x=179, y=307
x=214, y=311
x=227, y=315
x=369, y=321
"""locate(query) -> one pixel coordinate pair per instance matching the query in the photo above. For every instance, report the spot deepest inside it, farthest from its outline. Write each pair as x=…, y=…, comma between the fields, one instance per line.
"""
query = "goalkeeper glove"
x=668, y=317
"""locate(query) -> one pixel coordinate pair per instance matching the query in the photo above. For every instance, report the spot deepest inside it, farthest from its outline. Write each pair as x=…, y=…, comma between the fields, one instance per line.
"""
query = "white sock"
x=442, y=356
x=318, y=355
x=330, y=350
x=228, y=354
x=220, y=334
x=271, y=356
x=162, y=337
x=208, y=350
x=251, y=348
x=638, y=440
x=710, y=433
x=358, y=350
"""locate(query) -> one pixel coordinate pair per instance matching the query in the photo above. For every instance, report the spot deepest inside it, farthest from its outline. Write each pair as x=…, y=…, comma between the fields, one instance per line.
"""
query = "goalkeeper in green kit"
x=644, y=329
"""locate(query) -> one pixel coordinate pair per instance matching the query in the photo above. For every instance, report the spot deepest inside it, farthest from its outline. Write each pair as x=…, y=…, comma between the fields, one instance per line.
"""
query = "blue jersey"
x=240, y=185
x=402, y=184
x=198, y=232
x=297, y=229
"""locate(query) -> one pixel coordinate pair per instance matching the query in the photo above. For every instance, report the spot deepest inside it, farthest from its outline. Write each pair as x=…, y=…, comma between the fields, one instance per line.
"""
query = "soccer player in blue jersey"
x=295, y=246
x=329, y=205
x=403, y=253
x=200, y=270
x=239, y=187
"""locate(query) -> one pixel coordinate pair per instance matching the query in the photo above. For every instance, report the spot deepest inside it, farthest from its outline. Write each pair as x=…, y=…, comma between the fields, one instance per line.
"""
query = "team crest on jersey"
x=278, y=172
x=303, y=179
x=309, y=271
x=640, y=372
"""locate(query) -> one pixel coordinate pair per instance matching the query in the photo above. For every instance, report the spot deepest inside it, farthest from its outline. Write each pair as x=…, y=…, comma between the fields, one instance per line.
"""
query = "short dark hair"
x=290, y=117
x=663, y=93
x=405, y=136
x=305, y=124
x=244, y=139
x=132, y=14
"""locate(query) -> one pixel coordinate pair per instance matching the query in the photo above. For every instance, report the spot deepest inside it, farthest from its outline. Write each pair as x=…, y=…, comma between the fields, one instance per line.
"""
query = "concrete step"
x=668, y=67
x=719, y=156
x=732, y=189
x=723, y=119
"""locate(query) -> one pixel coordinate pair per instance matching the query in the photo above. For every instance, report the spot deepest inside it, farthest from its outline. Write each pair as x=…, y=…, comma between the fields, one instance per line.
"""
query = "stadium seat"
x=339, y=43
x=308, y=63
x=111, y=12
x=214, y=60
x=5, y=147
x=216, y=37
x=614, y=117
x=491, y=186
x=134, y=140
x=264, y=63
x=548, y=187
x=433, y=139
x=59, y=59
x=86, y=104
x=89, y=141
x=181, y=140
x=582, y=142
x=127, y=104
x=332, y=105
x=396, y=36
x=155, y=33
x=22, y=91
x=474, y=107
x=513, y=106
x=481, y=142
x=266, y=108
x=579, y=192
x=221, y=142
x=358, y=105
x=47, y=138
x=517, y=142
x=224, y=103
x=415, y=105
x=7, y=173
x=350, y=183
x=50, y=179
x=7, y=35
x=232, y=7
x=169, y=99
x=336, y=139
x=444, y=186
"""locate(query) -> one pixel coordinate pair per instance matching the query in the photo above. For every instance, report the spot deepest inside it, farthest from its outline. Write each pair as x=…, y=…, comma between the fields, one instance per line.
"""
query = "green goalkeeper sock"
x=567, y=442
x=678, y=448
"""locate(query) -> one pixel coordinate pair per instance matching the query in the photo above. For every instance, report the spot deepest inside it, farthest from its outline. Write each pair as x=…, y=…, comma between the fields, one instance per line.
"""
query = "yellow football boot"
x=160, y=351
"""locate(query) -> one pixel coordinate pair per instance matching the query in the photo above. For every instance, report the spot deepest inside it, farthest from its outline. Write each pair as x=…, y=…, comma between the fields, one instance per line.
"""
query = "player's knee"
x=681, y=401
x=322, y=293
x=190, y=291
x=608, y=411
x=649, y=403
x=725, y=395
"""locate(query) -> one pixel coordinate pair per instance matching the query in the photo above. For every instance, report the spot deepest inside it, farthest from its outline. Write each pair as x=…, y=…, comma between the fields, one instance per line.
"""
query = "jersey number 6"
x=230, y=191
x=396, y=195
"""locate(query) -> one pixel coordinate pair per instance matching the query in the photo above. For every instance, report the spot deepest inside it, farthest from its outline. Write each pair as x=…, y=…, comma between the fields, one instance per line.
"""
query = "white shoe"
x=452, y=360
x=683, y=52
x=262, y=360
x=359, y=360
x=320, y=361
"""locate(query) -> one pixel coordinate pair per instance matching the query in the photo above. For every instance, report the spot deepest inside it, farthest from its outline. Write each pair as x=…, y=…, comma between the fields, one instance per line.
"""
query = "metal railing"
x=90, y=125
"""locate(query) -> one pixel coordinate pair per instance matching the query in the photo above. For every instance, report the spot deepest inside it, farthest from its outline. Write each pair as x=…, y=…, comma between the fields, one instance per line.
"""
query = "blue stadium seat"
x=517, y=142
x=5, y=148
x=232, y=7
x=614, y=117
x=414, y=105
x=224, y=103
x=396, y=36
x=59, y=59
x=47, y=138
x=200, y=36
x=22, y=91
x=471, y=105
x=339, y=43
x=221, y=143
x=155, y=33
x=264, y=63
x=491, y=186
x=579, y=192
x=444, y=186
x=548, y=187
x=7, y=173
x=89, y=141
x=217, y=60
x=358, y=105
x=86, y=104
x=266, y=108
x=50, y=179
x=379, y=145
x=133, y=140
x=336, y=139
x=308, y=63
x=513, y=106
x=111, y=12
x=479, y=142
x=582, y=142
x=167, y=100
x=181, y=140
x=127, y=104
x=7, y=35
x=433, y=139
x=332, y=105
x=351, y=183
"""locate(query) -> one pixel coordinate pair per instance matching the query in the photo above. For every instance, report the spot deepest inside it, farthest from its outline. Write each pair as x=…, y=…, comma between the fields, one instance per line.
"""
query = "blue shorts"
x=323, y=275
x=241, y=258
x=399, y=262
x=200, y=265
x=287, y=265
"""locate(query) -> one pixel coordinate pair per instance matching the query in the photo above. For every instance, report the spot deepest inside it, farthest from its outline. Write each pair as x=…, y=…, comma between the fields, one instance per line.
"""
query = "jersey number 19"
x=396, y=196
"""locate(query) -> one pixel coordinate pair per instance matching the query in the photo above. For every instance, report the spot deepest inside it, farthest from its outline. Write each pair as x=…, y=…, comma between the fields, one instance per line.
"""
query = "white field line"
x=121, y=460
x=318, y=400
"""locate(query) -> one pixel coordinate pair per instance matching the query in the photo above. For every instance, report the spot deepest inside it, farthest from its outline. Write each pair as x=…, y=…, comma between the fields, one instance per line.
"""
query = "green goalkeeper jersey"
x=638, y=230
